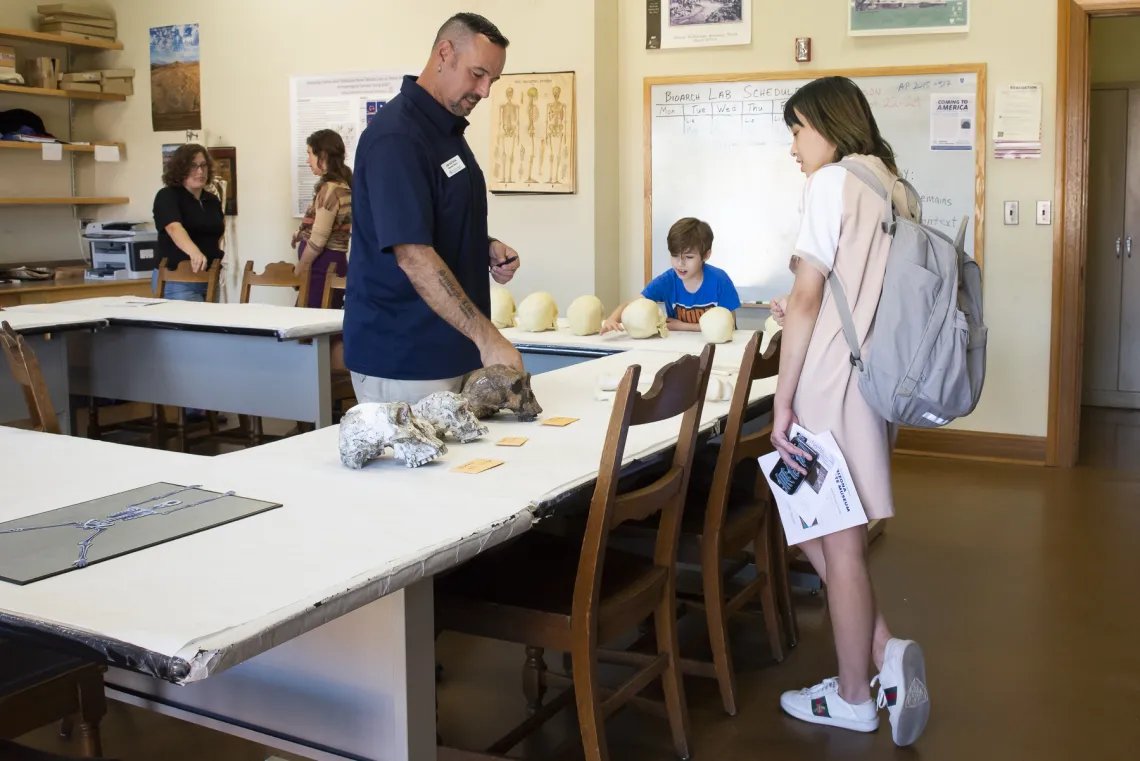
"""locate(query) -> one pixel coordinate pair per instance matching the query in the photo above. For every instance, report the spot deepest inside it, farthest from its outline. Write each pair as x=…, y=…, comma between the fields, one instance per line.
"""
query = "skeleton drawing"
x=556, y=134
x=500, y=388
x=508, y=137
x=143, y=509
x=367, y=431
x=446, y=412
x=531, y=129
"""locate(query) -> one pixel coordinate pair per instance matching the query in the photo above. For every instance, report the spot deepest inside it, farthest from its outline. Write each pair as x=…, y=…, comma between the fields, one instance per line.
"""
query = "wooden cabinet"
x=1112, y=295
x=53, y=291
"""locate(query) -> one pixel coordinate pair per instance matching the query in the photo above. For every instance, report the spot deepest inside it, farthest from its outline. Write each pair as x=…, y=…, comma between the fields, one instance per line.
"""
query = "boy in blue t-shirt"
x=690, y=287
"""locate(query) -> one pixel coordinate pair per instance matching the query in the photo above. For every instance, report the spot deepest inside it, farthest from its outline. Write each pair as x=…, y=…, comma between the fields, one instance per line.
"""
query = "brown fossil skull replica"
x=367, y=431
x=501, y=388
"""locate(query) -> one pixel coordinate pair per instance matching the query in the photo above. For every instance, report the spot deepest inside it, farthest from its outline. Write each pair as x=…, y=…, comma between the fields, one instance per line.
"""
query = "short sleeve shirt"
x=415, y=182
x=822, y=221
x=717, y=289
x=201, y=217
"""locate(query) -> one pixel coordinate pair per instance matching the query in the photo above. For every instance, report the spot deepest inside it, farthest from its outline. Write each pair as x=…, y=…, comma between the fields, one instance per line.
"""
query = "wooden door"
x=1129, y=381
x=1108, y=146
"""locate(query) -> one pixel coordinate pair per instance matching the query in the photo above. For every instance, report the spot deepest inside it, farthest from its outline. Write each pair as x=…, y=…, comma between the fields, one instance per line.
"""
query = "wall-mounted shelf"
x=12, y=145
x=56, y=39
x=72, y=94
x=64, y=201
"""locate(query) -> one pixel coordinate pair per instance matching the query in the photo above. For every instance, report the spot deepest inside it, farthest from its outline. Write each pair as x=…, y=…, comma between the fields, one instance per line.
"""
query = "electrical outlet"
x=1011, y=213
x=1044, y=213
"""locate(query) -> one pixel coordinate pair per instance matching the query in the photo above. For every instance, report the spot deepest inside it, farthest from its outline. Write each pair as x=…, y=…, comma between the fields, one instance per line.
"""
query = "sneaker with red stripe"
x=902, y=690
x=822, y=704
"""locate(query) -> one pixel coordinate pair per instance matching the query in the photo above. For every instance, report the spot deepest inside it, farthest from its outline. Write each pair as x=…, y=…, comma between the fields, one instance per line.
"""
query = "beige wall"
x=1114, y=43
x=1017, y=39
x=248, y=55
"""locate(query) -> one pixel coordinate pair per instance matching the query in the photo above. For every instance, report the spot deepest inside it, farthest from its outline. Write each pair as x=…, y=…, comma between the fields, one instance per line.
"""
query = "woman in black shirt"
x=189, y=219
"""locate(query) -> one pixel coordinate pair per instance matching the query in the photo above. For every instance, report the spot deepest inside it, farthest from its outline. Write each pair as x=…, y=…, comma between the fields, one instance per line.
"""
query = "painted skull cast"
x=367, y=431
x=501, y=388
x=446, y=412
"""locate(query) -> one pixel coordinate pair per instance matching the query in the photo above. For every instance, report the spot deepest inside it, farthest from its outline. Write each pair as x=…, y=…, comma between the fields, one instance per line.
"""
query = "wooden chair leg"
x=763, y=548
x=90, y=742
x=157, y=427
x=66, y=727
x=783, y=586
x=588, y=698
x=181, y=435
x=534, y=685
x=665, y=621
x=92, y=418
x=92, y=709
x=717, y=619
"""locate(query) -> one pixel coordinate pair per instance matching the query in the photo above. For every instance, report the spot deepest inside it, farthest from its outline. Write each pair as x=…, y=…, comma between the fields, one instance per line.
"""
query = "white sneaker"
x=902, y=690
x=823, y=705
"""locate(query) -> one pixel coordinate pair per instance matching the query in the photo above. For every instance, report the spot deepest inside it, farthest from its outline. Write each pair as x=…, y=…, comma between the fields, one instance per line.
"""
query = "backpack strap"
x=846, y=319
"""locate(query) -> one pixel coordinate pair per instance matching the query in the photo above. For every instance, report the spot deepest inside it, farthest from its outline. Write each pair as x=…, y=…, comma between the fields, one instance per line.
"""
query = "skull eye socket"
x=517, y=386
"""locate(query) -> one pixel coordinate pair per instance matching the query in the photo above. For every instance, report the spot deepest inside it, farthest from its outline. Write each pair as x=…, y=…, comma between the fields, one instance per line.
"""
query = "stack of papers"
x=825, y=502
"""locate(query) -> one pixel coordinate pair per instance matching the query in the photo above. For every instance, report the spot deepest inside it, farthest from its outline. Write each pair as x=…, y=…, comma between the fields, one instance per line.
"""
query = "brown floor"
x=1019, y=582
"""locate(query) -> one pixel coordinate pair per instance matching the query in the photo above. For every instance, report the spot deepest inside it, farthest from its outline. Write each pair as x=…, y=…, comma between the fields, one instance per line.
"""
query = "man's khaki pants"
x=370, y=389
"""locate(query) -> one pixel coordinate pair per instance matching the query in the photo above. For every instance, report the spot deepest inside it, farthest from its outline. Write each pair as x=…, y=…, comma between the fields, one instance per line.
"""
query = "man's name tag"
x=453, y=166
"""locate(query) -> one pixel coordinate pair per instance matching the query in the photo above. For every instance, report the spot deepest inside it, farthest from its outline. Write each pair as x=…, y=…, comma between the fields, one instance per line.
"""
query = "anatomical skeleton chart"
x=533, y=140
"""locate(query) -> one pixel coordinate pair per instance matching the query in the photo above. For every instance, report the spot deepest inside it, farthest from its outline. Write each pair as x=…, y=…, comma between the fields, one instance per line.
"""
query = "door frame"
x=1070, y=235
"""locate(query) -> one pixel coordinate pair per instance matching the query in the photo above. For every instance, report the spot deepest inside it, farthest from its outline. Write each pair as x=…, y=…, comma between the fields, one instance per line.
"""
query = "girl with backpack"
x=842, y=231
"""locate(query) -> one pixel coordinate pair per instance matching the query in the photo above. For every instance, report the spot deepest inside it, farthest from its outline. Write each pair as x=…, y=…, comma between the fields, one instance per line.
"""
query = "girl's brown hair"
x=182, y=162
x=836, y=108
x=327, y=146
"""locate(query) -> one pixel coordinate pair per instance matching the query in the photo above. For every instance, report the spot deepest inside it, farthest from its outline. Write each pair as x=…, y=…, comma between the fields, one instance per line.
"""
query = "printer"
x=120, y=250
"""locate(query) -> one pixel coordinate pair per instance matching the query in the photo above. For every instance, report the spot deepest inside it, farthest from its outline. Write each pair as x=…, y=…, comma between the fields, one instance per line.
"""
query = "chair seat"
x=523, y=592
x=23, y=666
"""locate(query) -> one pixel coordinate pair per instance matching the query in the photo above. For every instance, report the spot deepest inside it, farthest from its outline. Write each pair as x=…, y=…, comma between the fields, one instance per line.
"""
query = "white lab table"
x=308, y=628
x=254, y=359
x=44, y=331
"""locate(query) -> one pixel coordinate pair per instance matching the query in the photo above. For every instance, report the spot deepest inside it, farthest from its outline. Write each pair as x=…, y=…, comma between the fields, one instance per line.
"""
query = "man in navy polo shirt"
x=417, y=306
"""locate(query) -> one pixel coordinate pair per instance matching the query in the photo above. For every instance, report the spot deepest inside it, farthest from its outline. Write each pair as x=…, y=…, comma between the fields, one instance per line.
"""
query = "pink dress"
x=842, y=230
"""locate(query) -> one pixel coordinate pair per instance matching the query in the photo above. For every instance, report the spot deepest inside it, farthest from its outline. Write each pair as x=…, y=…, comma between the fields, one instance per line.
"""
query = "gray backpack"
x=926, y=354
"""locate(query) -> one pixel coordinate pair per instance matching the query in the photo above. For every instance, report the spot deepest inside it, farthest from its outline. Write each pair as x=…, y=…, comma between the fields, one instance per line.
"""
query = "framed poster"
x=697, y=23
x=534, y=144
x=175, y=82
x=878, y=17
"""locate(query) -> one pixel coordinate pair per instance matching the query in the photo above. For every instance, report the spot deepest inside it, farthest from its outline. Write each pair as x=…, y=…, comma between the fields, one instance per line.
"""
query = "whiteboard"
x=719, y=150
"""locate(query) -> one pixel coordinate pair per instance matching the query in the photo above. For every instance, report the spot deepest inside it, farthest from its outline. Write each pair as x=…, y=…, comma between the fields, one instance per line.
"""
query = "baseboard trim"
x=971, y=445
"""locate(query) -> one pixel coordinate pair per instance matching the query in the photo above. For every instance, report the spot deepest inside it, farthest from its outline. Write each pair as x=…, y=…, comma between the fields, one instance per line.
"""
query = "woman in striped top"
x=327, y=227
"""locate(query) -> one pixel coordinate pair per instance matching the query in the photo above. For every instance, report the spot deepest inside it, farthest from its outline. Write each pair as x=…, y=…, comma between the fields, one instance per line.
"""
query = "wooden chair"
x=343, y=394
x=157, y=425
x=545, y=591
x=26, y=370
x=38, y=687
x=725, y=515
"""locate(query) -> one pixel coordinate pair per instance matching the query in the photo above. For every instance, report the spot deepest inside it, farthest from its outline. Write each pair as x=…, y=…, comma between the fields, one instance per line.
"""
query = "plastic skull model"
x=499, y=387
x=368, y=430
x=446, y=412
x=644, y=319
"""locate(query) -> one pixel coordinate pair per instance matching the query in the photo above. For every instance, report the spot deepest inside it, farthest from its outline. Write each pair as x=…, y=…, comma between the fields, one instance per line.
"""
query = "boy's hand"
x=609, y=326
x=779, y=309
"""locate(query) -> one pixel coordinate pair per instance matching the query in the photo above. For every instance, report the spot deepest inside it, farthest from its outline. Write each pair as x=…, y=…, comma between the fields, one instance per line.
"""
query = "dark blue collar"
x=447, y=122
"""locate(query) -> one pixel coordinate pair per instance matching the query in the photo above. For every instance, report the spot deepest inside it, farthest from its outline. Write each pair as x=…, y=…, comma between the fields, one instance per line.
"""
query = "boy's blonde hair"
x=690, y=234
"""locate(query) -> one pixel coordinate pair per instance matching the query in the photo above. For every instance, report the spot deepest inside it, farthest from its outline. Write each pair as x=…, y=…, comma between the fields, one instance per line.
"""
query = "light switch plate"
x=1012, y=215
x=1044, y=213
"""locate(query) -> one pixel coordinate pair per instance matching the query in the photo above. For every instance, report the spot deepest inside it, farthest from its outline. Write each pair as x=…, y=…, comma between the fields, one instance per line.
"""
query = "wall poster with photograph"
x=175, y=83
x=697, y=23
x=534, y=144
x=876, y=17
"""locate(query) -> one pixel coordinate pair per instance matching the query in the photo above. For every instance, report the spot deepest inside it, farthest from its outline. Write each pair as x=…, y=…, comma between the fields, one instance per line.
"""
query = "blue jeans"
x=180, y=291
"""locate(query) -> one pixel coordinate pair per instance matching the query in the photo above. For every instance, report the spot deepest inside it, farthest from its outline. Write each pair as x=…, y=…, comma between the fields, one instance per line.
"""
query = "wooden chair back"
x=26, y=370
x=333, y=282
x=735, y=446
x=183, y=274
x=678, y=389
x=276, y=275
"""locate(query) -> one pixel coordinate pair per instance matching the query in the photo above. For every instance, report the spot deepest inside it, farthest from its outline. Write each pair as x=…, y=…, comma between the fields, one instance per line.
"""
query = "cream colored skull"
x=717, y=325
x=585, y=316
x=537, y=313
x=644, y=319
x=502, y=308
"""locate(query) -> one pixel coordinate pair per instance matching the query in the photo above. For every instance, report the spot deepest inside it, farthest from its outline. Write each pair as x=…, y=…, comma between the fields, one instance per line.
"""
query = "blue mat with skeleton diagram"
x=71, y=538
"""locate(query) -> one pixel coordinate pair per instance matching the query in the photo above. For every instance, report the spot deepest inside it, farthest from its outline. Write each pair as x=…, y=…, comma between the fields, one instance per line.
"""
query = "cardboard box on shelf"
x=81, y=86
x=7, y=57
x=93, y=32
x=83, y=76
x=43, y=72
x=118, y=86
x=75, y=9
x=68, y=18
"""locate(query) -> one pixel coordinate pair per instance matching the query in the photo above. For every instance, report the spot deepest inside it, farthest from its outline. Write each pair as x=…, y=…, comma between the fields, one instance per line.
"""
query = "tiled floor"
x=1020, y=582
